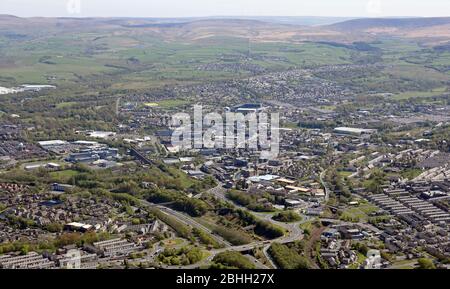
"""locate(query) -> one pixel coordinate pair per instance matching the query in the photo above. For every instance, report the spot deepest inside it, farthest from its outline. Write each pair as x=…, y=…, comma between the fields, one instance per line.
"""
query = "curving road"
x=293, y=231
x=186, y=219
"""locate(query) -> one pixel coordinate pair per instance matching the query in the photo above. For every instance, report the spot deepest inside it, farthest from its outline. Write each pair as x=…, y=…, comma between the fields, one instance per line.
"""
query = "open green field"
x=171, y=243
x=168, y=103
x=344, y=174
x=147, y=61
x=404, y=264
x=359, y=212
x=66, y=104
x=63, y=176
x=111, y=62
x=425, y=94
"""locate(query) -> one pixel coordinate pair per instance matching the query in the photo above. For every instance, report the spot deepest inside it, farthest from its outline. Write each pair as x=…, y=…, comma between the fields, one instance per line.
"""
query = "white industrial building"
x=354, y=131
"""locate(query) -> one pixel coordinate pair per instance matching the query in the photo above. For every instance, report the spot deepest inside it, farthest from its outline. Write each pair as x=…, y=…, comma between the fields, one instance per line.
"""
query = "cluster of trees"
x=181, y=202
x=19, y=176
x=231, y=224
x=441, y=137
x=182, y=230
x=338, y=185
x=163, y=177
x=262, y=227
x=172, y=178
x=171, y=185
x=268, y=230
x=206, y=238
x=376, y=182
x=54, y=227
x=233, y=236
x=86, y=180
x=62, y=240
x=58, y=114
x=361, y=248
x=192, y=206
x=80, y=239
x=287, y=258
x=316, y=124
x=200, y=186
x=425, y=263
x=287, y=217
x=231, y=260
x=23, y=248
x=182, y=256
x=249, y=201
x=20, y=222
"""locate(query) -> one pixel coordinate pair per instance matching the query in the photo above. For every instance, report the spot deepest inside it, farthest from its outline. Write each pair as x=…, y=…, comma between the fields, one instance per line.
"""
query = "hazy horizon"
x=227, y=16
x=222, y=8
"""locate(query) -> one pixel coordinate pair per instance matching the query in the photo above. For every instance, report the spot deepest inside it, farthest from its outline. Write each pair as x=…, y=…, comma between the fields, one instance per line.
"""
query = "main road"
x=185, y=219
x=293, y=231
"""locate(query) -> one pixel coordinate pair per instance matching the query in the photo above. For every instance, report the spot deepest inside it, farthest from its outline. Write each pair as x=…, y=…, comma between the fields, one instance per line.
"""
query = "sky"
x=202, y=8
